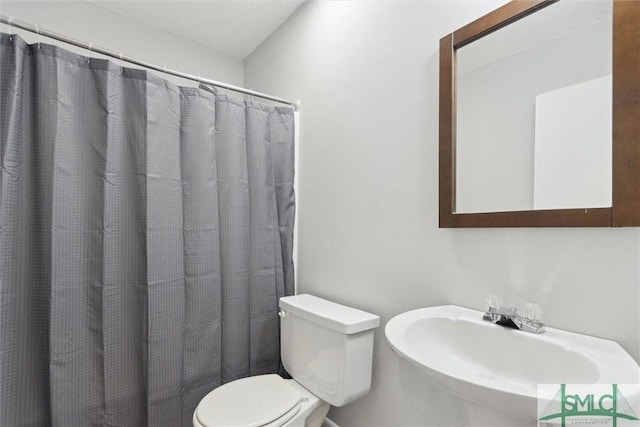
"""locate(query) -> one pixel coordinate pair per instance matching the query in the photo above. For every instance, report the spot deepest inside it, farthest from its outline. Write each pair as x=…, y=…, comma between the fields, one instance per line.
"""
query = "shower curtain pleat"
x=124, y=301
x=203, y=308
x=263, y=225
x=233, y=209
x=281, y=122
x=75, y=320
x=145, y=234
x=164, y=253
x=25, y=240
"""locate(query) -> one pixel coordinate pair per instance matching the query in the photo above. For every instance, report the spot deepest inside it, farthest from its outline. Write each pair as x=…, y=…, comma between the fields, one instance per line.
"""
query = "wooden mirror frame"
x=625, y=209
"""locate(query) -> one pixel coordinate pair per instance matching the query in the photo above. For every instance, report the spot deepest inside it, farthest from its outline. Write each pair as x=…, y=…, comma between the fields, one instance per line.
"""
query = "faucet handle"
x=533, y=312
x=494, y=301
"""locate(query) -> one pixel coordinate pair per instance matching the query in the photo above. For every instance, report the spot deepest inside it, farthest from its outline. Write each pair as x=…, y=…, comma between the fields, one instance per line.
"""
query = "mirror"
x=540, y=117
x=543, y=139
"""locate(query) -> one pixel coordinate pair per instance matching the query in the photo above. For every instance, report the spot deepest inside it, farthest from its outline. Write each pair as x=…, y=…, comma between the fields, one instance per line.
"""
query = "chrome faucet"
x=509, y=317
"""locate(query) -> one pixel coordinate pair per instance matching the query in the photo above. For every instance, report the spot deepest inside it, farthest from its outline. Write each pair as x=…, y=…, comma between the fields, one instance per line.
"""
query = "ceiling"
x=232, y=27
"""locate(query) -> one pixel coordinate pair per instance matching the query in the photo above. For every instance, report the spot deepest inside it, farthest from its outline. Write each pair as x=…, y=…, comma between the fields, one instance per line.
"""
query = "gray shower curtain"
x=145, y=238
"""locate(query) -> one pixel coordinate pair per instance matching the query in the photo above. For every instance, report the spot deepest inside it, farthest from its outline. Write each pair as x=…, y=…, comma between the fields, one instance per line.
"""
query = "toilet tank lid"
x=338, y=317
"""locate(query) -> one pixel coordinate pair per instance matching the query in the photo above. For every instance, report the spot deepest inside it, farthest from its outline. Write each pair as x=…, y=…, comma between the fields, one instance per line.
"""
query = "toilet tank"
x=327, y=347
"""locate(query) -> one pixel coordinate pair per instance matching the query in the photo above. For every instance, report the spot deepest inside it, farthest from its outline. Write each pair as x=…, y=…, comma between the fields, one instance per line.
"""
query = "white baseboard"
x=328, y=423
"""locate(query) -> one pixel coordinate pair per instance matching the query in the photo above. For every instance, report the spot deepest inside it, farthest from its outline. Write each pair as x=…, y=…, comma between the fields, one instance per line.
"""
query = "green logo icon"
x=584, y=407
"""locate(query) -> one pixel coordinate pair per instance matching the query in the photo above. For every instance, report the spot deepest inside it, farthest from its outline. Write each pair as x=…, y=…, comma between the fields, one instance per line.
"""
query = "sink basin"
x=499, y=367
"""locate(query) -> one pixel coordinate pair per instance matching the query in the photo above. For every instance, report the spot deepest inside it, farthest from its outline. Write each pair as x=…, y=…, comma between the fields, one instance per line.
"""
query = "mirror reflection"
x=533, y=102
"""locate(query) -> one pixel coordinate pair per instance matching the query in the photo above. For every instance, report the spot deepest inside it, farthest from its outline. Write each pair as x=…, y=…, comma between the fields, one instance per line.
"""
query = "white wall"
x=91, y=24
x=367, y=76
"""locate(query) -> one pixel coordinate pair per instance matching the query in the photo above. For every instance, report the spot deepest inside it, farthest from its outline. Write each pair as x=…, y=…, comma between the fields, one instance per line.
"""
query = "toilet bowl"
x=326, y=347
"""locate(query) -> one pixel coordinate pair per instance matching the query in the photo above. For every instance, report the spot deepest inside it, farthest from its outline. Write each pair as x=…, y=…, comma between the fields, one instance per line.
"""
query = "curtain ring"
x=121, y=62
x=10, y=28
x=89, y=57
x=39, y=36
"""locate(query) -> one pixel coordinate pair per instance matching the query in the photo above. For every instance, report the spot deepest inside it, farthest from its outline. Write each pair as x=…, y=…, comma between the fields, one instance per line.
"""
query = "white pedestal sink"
x=496, y=370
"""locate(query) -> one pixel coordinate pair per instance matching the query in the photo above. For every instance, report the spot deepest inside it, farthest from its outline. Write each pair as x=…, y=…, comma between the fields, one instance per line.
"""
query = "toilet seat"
x=260, y=401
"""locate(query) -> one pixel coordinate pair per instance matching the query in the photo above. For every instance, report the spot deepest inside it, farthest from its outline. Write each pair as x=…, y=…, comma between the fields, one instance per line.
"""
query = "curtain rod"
x=117, y=55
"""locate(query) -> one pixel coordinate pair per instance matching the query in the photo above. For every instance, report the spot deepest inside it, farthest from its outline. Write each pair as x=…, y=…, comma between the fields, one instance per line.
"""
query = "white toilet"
x=326, y=347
